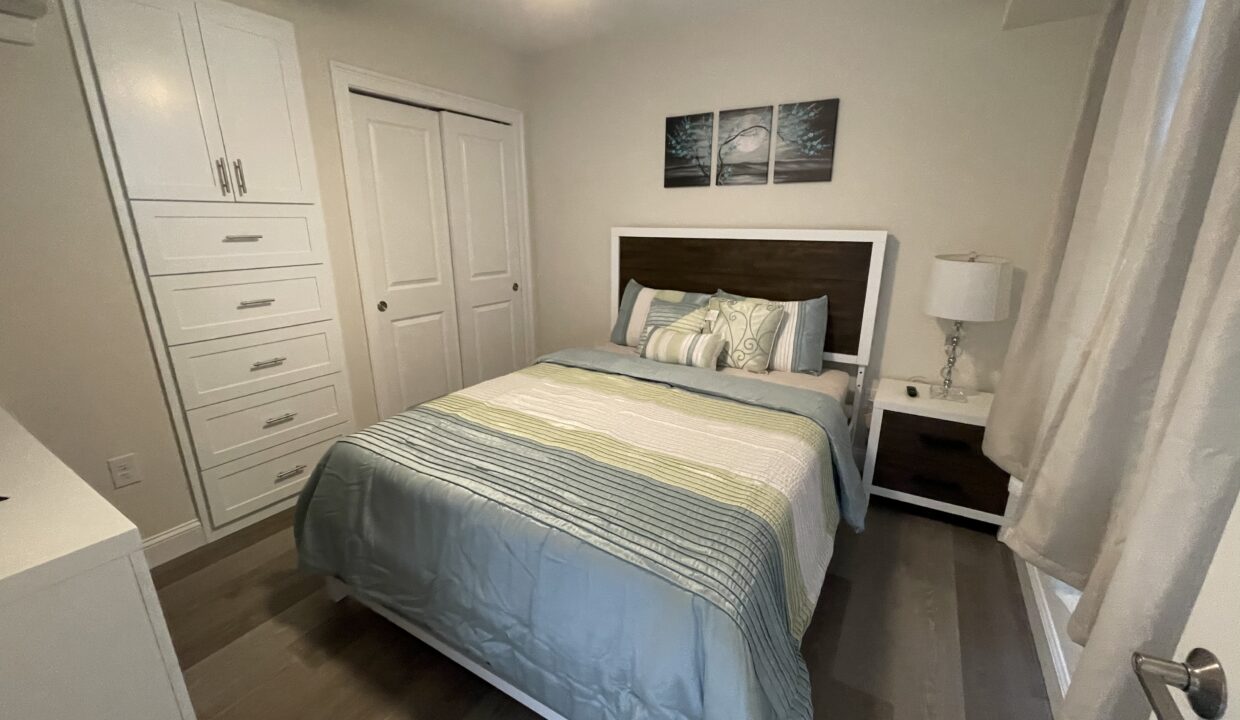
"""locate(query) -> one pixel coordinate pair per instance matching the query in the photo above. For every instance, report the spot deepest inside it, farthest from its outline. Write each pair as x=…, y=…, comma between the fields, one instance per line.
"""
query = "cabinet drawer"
x=216, y=370
x=939, y=460
x=204, y=237
x=226, y=431
x=212, y=305
x=244, y=486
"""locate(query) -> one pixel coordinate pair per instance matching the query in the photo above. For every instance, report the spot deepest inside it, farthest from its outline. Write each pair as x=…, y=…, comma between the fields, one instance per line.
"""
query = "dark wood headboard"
x=844, y=265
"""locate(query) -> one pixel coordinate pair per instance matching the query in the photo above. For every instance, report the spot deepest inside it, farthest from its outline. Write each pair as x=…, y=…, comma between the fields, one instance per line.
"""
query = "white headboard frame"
x=878, y=248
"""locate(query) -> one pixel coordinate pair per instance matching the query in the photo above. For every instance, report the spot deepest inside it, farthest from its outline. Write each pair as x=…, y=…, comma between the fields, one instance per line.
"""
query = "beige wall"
x=75, y=364
x=952, y=134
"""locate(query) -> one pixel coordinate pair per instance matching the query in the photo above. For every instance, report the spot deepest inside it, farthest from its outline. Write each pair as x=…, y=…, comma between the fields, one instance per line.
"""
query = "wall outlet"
x=124, y=470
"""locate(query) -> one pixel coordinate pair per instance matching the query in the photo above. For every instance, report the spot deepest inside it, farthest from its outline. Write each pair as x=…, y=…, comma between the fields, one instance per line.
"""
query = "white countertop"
x=53, y=525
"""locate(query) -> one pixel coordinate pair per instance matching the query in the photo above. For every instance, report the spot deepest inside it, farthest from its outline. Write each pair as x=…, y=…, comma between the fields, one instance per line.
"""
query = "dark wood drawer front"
x=938, y=460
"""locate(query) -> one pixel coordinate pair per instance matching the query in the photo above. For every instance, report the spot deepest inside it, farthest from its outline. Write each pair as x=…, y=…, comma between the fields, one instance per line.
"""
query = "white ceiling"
x=537, y=26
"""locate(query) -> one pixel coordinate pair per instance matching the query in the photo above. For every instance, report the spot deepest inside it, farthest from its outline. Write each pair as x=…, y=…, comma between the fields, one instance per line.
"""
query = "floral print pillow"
x=748, y=329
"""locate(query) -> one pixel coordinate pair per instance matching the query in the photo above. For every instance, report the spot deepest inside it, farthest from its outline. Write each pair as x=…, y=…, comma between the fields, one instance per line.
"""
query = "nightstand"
x=928, y=452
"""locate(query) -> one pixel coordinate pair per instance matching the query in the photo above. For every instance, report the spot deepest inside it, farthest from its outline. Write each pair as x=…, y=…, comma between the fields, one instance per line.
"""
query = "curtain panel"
x=1118, y=405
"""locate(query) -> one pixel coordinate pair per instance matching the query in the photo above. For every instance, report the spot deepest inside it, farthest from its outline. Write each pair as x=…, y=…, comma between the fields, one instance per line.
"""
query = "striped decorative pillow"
x=683, y=348
x=681, y=316
x=799, y=342
x=635, y=305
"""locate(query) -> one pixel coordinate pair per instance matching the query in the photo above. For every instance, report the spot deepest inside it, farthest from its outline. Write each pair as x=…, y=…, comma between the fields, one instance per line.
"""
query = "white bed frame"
x=878, y=249
x=337, y=590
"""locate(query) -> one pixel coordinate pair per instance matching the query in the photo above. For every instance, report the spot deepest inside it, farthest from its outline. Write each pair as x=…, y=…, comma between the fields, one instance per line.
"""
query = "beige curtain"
x=1120, y=400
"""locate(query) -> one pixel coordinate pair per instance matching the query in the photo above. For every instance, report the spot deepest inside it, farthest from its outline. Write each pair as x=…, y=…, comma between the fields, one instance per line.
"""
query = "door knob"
x=382, y=305
x=515, y=287
x=1200, y=676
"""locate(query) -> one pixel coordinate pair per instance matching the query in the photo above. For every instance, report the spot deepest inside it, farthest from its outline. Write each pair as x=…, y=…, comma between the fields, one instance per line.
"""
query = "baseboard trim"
x=174, y=542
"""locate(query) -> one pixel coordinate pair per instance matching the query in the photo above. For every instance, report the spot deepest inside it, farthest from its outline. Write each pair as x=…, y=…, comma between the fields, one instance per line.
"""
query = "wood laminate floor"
x=919, y=619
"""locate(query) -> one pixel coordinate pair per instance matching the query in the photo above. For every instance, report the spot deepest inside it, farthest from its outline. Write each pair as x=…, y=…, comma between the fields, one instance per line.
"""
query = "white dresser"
x=203, y=129
x=81, y=631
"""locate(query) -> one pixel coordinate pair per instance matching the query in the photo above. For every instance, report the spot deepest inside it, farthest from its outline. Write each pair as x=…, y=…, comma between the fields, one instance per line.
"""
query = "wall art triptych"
x=803, y=134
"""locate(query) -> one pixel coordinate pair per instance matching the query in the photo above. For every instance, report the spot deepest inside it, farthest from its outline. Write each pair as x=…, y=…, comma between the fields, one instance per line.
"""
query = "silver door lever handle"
x=1200, y=676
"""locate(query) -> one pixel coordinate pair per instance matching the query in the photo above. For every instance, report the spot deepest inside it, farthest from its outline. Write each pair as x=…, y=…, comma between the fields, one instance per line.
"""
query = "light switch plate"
x=124, y=470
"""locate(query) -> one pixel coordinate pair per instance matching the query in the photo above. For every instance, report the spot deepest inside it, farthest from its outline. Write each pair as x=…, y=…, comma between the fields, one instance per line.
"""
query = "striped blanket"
x=478, y=513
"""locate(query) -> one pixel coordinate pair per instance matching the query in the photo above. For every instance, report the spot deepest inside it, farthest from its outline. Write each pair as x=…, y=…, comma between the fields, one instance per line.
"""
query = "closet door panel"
x=256, y=81
x=404, y=257
x=157, y=95
x=483, y=180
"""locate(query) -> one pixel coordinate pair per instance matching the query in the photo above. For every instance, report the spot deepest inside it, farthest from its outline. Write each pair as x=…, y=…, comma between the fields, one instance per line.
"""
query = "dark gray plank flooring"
x=919, y=620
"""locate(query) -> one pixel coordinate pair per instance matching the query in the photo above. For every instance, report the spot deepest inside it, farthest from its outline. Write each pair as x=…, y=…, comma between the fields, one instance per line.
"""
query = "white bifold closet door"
x=439, y=249
x=480, y=164
x=404, y=256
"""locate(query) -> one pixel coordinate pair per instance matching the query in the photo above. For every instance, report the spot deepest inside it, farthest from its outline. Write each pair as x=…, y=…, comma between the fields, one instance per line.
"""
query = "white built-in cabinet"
x=204, y=101
x=202, y=116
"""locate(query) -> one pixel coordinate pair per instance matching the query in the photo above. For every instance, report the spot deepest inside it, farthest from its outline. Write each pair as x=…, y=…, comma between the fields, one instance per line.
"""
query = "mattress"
x=833, y=383
x=613, y=536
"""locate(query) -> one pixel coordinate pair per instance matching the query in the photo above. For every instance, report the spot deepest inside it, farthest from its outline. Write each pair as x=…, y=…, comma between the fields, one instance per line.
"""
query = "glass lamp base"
x=953, y=394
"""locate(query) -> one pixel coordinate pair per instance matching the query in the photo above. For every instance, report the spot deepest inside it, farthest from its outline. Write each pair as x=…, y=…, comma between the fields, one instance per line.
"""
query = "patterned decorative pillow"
x=666, y=345
x=682, y=316
x=798, y=345
x=748, y=329
x=635, y=305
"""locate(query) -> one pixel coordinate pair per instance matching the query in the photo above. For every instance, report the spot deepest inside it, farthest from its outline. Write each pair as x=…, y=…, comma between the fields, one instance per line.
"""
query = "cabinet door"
x=256, y=81
x=156, y=92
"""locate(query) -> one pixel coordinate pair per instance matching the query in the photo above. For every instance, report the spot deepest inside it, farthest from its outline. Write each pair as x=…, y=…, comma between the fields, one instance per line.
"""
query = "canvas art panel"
x=805, y=141
x=687, y=150
x=744, y=146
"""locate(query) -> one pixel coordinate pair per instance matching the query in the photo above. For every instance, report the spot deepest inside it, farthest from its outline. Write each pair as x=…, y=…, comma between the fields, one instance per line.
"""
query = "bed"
x=603, y=536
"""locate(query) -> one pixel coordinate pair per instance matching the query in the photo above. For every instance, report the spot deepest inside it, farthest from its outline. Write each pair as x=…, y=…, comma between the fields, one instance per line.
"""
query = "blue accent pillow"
x=635, y=305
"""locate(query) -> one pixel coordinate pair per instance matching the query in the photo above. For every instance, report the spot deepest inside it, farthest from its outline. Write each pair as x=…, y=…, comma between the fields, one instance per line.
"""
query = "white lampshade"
x=973, y=288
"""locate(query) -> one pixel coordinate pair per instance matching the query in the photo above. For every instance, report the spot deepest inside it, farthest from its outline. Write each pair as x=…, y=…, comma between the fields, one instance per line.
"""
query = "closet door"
x=256, y=81
x=157, y=94
x=404, y=260
x=480, y=164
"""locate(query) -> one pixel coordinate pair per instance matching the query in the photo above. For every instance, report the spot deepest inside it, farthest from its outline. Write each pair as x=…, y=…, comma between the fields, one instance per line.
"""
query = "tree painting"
x=744, y=146
x=686, y=155
x=805, y=141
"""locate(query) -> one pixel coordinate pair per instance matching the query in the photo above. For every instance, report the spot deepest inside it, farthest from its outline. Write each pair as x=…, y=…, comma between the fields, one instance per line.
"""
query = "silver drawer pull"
x=291, y=472
x=279, y=419
x=240, y=176
x=225, y=190
x=263, y=364
x=242, y=238
x=256, y=303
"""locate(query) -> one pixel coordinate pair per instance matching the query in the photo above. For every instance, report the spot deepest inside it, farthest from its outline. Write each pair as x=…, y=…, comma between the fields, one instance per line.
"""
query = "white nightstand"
x=928, y=452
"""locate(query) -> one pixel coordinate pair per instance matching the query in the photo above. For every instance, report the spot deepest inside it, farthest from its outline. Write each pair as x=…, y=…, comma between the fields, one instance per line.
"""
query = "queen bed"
x=604, y=536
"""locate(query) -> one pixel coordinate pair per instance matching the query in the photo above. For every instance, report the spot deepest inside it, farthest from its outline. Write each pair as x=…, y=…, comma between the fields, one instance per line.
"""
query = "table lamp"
x=966, y=288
